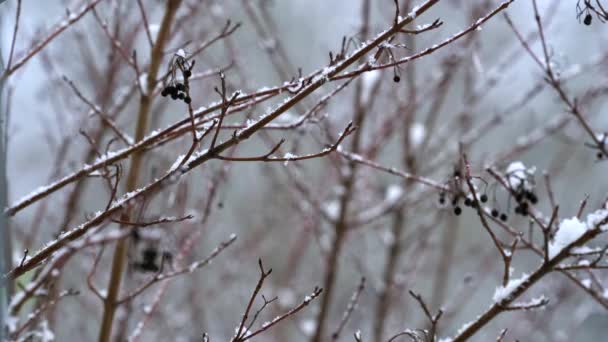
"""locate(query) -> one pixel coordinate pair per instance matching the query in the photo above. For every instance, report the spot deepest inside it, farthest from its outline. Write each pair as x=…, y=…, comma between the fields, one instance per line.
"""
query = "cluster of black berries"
x=454, y=184
x=177, y=91
x=495, y=213
x=457, y=209
x=523, y=197
x=468, y=202
x=150, y=260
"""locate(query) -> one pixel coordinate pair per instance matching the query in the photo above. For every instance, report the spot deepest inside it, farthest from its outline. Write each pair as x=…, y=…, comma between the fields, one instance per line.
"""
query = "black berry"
x=187, y=99
x=164, y=93
x=174, y=96
x=149, y=255
x=180, y=87
x=396, y=79
x=588, y=19
x=457, y=211
x=187, y=73
x=467, y=202
x=483, y=198
x=494, y=213
x=503, y=217
x=181, y=96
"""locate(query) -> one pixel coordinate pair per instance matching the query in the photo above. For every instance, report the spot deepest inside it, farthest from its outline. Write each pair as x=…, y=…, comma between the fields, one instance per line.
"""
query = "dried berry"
x=171, y=90
x=533, y=199
x=149, y=255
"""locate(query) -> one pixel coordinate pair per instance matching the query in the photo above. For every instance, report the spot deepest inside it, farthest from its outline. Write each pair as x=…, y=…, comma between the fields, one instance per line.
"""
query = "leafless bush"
x=351, y=185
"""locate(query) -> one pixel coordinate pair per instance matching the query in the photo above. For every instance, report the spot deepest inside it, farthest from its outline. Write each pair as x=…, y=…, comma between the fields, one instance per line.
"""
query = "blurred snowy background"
x=256, y=202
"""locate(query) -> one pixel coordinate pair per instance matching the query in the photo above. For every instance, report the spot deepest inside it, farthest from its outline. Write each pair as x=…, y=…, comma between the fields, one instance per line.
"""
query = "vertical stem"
x=341, y=226
x=442, y=274
x=383, y=306
x=120, y=253
x=5, y=251
x=392, y=261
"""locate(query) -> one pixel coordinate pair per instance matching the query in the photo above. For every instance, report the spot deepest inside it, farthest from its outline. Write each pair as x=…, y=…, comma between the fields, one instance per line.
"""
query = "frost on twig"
x=243, y=331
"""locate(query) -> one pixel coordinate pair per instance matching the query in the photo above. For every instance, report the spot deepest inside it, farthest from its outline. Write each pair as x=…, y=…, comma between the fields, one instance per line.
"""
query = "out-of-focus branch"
x=120, y=253
x=62, y=26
